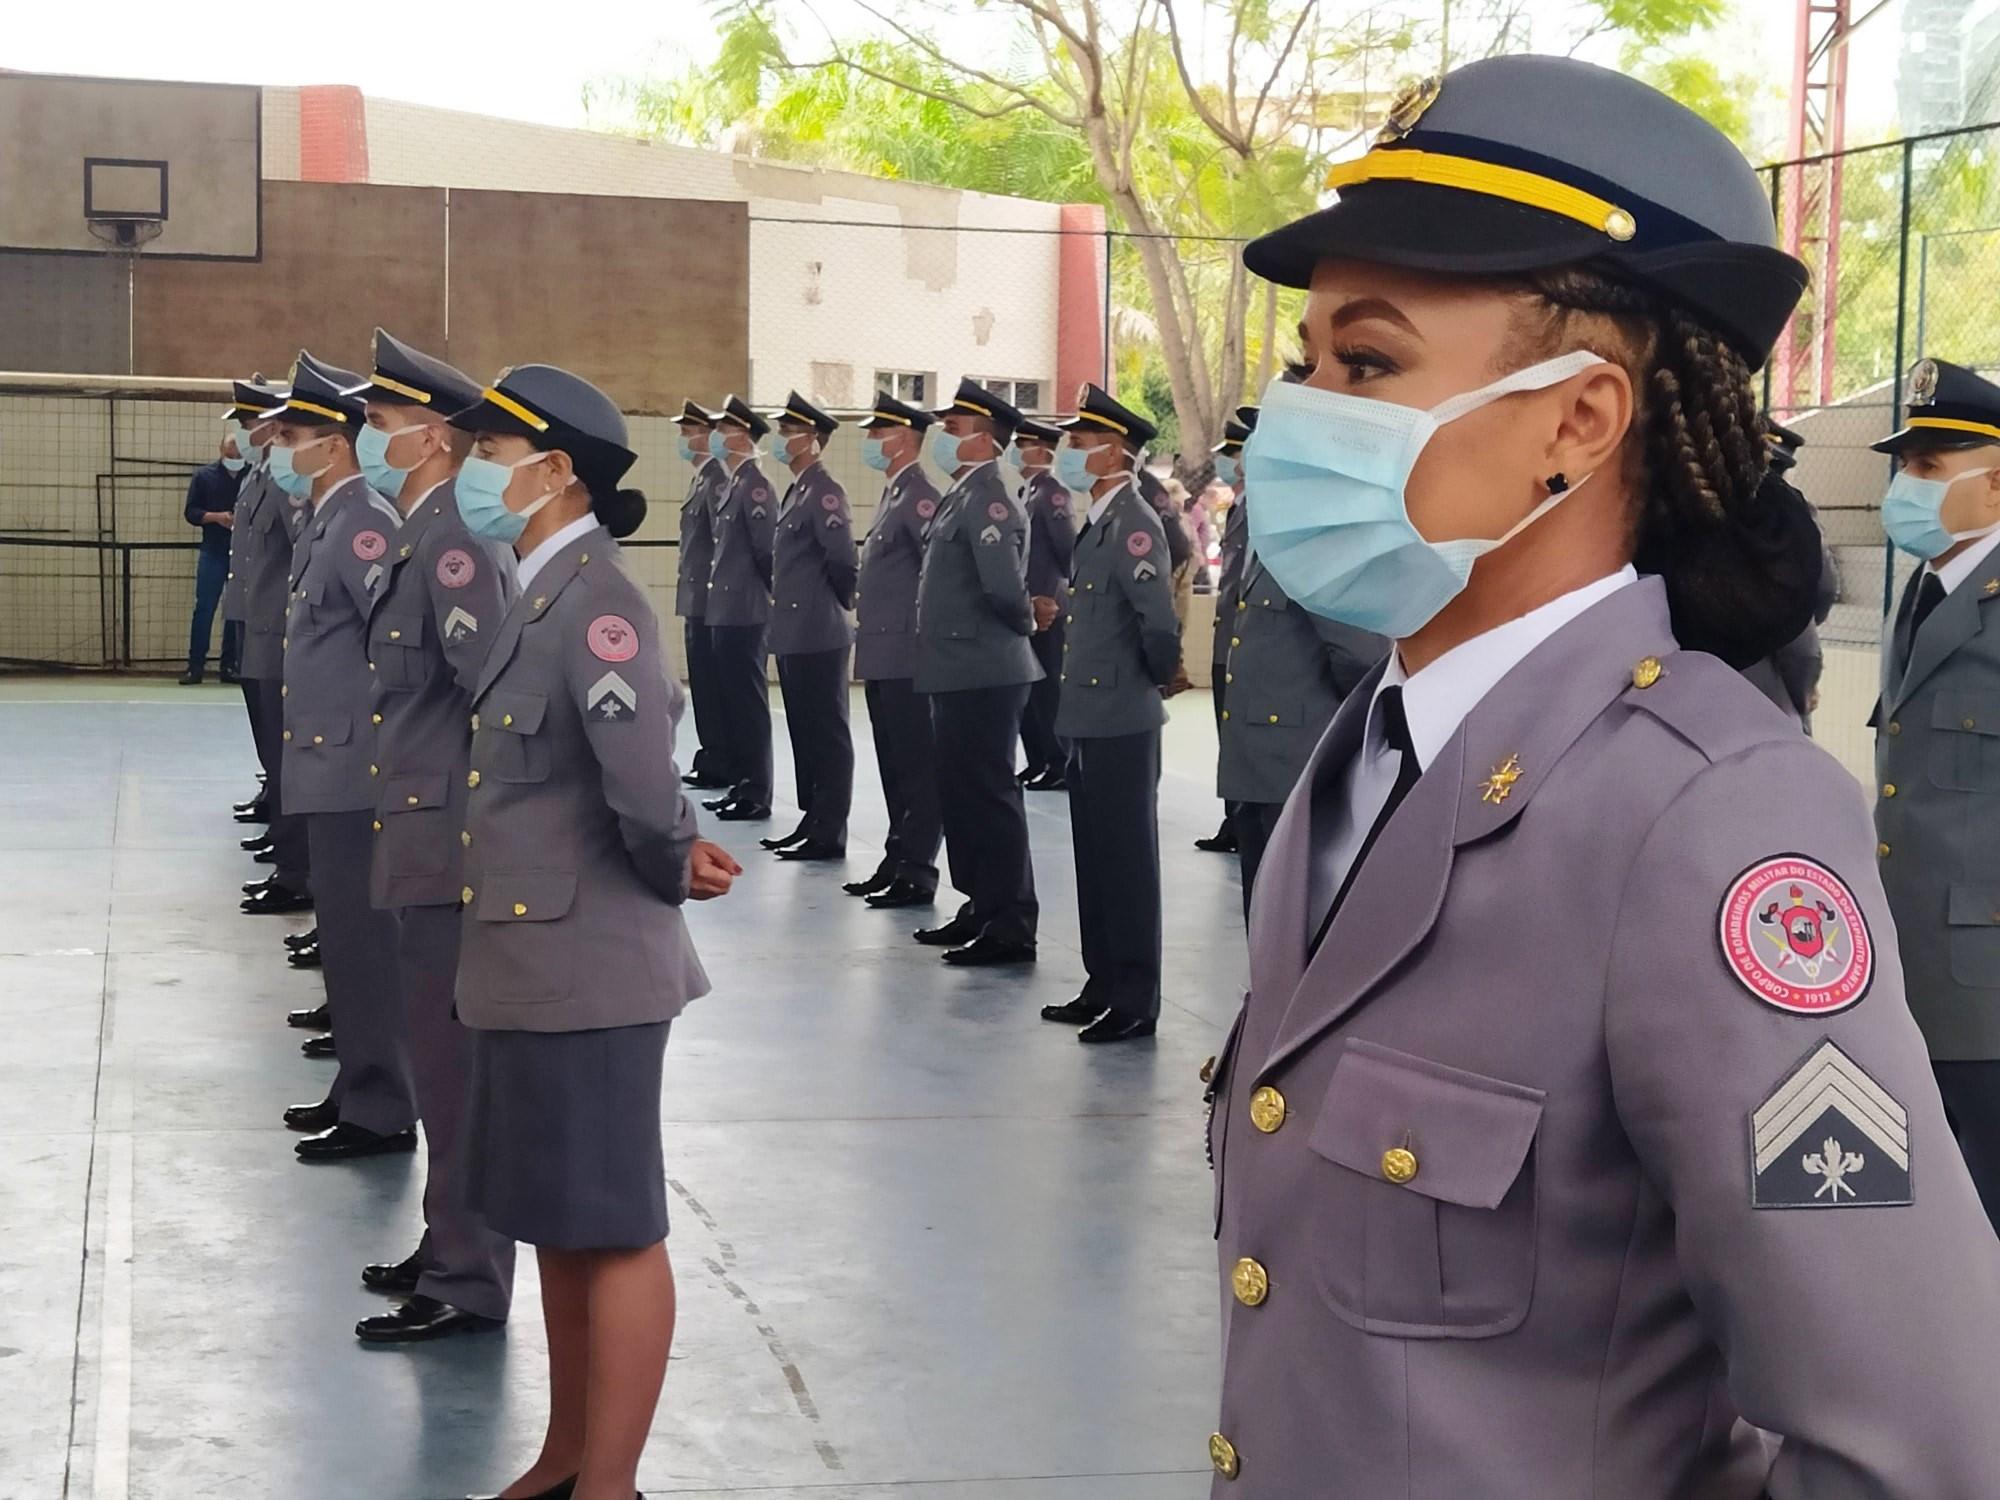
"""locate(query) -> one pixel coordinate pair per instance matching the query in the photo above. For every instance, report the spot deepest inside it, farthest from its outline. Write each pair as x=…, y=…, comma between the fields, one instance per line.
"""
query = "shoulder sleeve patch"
x=927, y=508
x=998, y=511
x=369, y=545
x=829, y=502
x=1138, y=542
x=612, y=638
x=1794, y=936
x=455, y=568
x=1830, y=1136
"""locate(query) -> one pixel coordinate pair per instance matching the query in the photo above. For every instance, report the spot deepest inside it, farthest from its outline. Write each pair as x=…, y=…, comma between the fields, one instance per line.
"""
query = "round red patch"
x=829, y=502
x=456, y=569
x=1796, y=938
x=612, y=638
x=369, y=545
x=927, y=508
x=1138, y=543
x=997, y=511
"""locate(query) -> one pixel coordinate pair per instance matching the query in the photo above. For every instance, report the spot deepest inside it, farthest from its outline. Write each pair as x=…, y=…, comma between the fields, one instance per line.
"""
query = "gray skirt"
x=563, y=1136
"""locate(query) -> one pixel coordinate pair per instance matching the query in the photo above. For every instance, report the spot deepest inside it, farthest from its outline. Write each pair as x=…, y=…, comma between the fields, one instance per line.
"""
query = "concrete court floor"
x=928, y=1248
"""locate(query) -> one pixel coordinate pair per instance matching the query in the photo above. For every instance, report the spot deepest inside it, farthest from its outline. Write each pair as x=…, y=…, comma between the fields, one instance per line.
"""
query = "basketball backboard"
x=97, y=163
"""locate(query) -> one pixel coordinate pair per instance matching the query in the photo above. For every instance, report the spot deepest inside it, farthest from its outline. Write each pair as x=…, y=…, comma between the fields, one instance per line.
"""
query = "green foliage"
x=1152, y=396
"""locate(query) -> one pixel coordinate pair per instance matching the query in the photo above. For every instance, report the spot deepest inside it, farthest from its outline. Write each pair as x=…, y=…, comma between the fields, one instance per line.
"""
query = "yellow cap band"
x=323, y=411
x=889, y=416
x=1510, y=183
x=1091, y=416
x=964, y=405
x=514, y=408
x=378, y=378
x=1952, y=424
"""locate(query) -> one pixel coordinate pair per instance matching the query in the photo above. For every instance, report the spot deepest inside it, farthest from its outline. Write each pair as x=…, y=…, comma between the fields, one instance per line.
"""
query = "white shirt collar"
x=1099, y=507
x=1963, y=566
x=1437, y=700
x=549, y=546
x=418, y=503
x=984, y=463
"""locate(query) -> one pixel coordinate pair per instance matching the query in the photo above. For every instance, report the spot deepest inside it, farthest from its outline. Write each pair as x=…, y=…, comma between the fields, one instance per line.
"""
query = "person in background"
x=1235, y=532
x=1201, y=528
x=744, y=522
x=710, y=767
x=1051, y=546
x=1789, y=676
x=211, y=505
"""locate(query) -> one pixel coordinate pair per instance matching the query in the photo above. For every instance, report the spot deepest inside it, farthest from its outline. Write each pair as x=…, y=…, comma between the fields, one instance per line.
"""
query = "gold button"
x=378, y=825
x=1093, y=682
x=1250, y=1283
x=1225, y=713
x=1208, y=1071
x=1228, y=677
x=540, y=600
x=520, y=910
x=375, y=718
x=472, y=778
x=1646, y=673
x=1399, y=1165
x=506, y=722
x=1241, y=606
x=1881, y=851
x=1888, y=788
x=1894, y=727
x=319, y=739
x=1088, y=587
x=475, y=723
x=465, y=896
x=374, y=770
x=412, y=801
x=584, y=558
x=1274, y=718
x=1222, y=1454
x=1619, y=225
x=465, y=837
x=1236, y=640
x=1267, y=1109
x=395, y=635
x=1069, y=619
x=284, y=692
x=288, y=734
x=371, y=666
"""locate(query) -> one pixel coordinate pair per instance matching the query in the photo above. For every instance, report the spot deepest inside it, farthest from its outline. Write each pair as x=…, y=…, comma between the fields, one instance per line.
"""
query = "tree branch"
x=1220, y=128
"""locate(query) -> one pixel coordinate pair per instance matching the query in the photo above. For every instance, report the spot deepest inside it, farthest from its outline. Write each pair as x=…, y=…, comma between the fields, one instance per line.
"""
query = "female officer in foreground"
x=1574, y=1124
x=579, y=850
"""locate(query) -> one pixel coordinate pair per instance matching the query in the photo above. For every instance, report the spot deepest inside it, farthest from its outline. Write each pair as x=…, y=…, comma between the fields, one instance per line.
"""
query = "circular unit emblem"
x=369, y=545
x=613, y=639
x=455, y=568
x=1139, y=543
x=1794, y=936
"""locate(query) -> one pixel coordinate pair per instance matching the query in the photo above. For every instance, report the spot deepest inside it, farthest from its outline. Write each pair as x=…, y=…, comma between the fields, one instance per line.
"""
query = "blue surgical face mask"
x=943, y=449
x=253, y=453
x=482, y=498
x=285, y=472
x=1913, y=514
x=1229, y=469
x=1332, y=522
x=371, y=451
x=875, y=454
x=233, y=465
x=691, y=454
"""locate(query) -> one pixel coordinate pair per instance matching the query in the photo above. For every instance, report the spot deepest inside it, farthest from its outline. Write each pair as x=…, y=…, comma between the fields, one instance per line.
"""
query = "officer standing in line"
x=1123, y=651
x=1051, y=547
x=269, y=530
x=975, y=662
x=1575, y=1138
x=1936, y=758
x=1235, y=532
x=342, y=555
x=1789, y=676
x=814, y=570
x=745, y=519
x=885, y=658
x=250, y=483
x=434, y=606
x=710, y=768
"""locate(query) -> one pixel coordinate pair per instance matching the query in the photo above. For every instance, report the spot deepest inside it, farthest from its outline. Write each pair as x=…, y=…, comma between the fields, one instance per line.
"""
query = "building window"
x=912, y=386
x=1022, y=395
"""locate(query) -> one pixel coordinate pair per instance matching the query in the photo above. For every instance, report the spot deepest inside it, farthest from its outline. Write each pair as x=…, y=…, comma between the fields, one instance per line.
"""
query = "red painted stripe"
x=333, y=134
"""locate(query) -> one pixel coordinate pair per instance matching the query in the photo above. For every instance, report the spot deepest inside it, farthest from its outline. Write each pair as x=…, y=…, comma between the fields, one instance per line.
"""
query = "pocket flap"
x=1974, y=906
x=1974, y=713
x=512, y=710
x=1102, y=677
x=414, y=792
x=525, y=895
x=332, y=729
x=402, y=630
x=1469, y=1134
x=1283, y=715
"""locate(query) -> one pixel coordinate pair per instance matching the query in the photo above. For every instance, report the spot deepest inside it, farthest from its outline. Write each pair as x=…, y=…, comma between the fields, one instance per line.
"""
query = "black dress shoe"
x=703, y=781
x=320, y=1048
x=951, y=935
x=189, y=679
x=1112, y=1027
x=254, y=804
x=261, y=883
x=796, y=836
x=277, y=902
x=350, y=1143
x=1049, y=781
x=399, y=1280
x=720, y=803
x=900, y=894
x=743, y=812
x=989, y=952
x=814, y=850
x=257, y=843
x=1223, y=841
x=264, y=857
x=1027, y=774
x=307, y=939
x=420, y=1320
x=310, y=1020
x=230, y=676
x=313, y=1118
x=1077, y=1012
x=305, y=958
x=880, y=881
x=257, y=812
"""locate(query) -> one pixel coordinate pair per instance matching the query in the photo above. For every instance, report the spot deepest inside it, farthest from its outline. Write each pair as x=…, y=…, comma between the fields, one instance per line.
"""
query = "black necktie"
x=1930, y=594
x=1396, y=730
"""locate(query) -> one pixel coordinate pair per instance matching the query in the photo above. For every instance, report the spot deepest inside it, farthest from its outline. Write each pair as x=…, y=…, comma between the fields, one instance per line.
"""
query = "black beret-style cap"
x=404, y=376
x=889, y=412
x=1096, y=411
x=737, y=412
x=321, y=395
x=693, y=416
x=980, y=402
x=1950, y=407
x=556, y=410
x=1523, y=162
x=798, y=409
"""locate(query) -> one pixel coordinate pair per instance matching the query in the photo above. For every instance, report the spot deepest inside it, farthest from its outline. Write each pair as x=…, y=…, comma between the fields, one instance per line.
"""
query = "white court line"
x=111, y=1466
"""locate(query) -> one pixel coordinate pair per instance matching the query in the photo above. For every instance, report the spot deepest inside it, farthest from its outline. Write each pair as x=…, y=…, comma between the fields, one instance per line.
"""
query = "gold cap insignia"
x=1407, y=108
x=1500, y=785
x=1923, y=383
x=1648, y=672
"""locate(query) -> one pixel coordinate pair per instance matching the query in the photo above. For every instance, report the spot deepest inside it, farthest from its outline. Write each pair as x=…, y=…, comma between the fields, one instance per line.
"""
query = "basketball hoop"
x=129, y=235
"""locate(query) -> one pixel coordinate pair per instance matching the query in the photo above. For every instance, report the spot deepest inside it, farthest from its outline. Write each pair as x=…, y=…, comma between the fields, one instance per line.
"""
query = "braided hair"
x=1737, y=547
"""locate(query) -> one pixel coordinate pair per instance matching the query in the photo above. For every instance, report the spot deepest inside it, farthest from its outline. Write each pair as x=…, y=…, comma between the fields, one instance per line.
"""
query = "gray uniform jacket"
x=1937, y=762
x=697, y=540
x=1051, y=537
x=745, y=518
x=577, y=835
x=815, y=567
x=1286, y=675
x=973, y=615
x=1235, y=541
x=236, y=587
x=270, y=532
x=892, y=557
x=345, y=551
x=439, y=602
x=1524, y=1194
x=1123, y=642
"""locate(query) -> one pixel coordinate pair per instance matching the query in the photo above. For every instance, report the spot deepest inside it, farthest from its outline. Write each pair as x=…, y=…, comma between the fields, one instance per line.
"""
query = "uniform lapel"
x=1956, y=620
x=414, y=526
x=533, y=602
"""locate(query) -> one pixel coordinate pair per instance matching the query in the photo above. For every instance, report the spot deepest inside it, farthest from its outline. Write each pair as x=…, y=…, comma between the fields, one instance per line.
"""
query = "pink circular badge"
x=927, y=508
x=1794, y=935
x=612, y=638
x=1138, y=543
x=997, y=511
x=455, y=569
x=369, y=545
x=829, y=502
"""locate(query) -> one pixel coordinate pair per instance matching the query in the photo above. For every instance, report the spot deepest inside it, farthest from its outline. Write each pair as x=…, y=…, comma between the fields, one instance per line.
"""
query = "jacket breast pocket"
x=1423, y=1217
x=416, y=824
x=520, y=751
x=519, y=917
x=1973, y=914
x=310, y=608
x=1269, y=712
x=1965, y=742
x=398, y=647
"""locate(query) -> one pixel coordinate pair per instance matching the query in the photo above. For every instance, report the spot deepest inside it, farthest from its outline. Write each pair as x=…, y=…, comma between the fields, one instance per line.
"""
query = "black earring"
x=1556, y=483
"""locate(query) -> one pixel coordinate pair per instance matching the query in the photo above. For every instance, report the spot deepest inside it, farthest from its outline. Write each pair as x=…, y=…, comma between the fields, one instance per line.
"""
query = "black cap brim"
x=1931, y=440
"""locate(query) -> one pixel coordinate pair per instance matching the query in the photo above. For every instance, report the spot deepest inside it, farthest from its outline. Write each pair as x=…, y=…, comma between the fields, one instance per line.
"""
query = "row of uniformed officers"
x=467, y=720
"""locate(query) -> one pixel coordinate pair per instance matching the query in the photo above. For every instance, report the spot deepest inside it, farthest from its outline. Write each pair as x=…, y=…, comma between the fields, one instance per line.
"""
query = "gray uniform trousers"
x=815, y=688
x=985, y=819
x=1114, y=824
x=711, y=757
x=293, y=862
x=906, y=752
x=1253, y=824
x=364, y=990
x=1039, y=744
x=738, y=656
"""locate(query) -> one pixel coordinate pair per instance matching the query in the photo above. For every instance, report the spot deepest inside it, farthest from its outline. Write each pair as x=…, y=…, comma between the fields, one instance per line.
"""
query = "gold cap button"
x=520, y=910
x=378, y=825
x=472, y=778
x=1267, y=1109
x=1646, y=673
x=465, y=896
x=1399, y=1165
x=1881, y=851
x=1250, y=1283
x=506, y=722
x=288, y=734
x=1222, y=1454
x=1620, y=225
x=1888, y=788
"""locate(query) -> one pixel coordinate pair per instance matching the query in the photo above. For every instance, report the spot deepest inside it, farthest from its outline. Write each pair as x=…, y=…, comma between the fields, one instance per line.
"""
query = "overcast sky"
x=531, y=60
